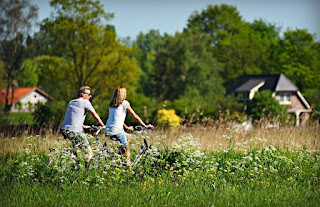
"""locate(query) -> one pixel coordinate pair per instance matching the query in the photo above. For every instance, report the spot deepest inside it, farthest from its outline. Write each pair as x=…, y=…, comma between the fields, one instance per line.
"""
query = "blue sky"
x=170, y=16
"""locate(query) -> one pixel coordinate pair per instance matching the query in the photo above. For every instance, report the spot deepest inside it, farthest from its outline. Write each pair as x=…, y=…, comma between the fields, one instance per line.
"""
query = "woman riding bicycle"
x=115, y=125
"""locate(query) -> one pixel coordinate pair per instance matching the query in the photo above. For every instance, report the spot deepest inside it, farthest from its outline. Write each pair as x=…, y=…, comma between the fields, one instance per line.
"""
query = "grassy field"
x=212, y=166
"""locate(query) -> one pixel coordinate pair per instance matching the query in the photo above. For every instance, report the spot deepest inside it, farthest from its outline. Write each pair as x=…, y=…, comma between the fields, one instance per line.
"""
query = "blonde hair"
x=119, y=95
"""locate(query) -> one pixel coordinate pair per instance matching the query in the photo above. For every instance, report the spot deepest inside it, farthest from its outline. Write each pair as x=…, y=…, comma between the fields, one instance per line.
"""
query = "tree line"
x=188, y=71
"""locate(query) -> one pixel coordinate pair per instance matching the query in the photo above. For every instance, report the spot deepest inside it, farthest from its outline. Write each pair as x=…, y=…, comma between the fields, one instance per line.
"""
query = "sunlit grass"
x=210, y=138
x=16, y=145
x=190, y=167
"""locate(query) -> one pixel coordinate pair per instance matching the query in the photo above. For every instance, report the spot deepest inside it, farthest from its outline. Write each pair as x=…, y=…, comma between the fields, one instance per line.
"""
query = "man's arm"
x=96, y=116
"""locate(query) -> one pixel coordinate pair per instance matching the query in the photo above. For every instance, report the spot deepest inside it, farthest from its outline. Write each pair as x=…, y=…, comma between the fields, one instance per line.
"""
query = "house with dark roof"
x=24, y=99
x=286, y=92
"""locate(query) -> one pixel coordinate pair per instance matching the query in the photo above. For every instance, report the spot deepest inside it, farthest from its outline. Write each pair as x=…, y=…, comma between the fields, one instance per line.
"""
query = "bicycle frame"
x=143, y=149
x=104, y=151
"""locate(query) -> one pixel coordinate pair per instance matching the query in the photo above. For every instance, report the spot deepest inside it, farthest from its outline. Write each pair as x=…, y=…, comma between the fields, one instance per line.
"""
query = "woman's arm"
x=136, y=117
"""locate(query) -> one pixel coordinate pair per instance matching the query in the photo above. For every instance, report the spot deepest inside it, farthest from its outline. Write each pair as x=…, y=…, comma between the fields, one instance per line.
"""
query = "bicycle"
x=102, y=150
x=144, y=147
x=72, y=151
x=142, y=150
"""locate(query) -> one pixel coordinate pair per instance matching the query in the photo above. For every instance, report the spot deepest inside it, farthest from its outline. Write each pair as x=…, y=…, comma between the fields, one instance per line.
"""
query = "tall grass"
x=213, y=137
x=15, y=145
x=210, y=138
x=194, y=166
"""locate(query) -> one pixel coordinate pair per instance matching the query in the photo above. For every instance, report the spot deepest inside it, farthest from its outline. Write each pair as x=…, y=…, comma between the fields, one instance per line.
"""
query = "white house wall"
x=33, y=97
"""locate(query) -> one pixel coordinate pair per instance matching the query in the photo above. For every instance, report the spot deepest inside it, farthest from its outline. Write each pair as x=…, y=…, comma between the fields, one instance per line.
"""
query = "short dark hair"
x=82, y=89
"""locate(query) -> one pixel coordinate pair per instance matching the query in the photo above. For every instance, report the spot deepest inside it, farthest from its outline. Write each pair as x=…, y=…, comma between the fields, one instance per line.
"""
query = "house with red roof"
x=24, y=99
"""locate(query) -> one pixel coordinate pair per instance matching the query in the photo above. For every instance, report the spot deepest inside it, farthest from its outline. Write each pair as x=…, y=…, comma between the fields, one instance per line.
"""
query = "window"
x=285, y=98
x=243, y=96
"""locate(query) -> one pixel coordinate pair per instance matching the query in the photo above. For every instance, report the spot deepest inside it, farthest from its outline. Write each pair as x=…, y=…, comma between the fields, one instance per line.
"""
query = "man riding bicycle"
x=72, y=126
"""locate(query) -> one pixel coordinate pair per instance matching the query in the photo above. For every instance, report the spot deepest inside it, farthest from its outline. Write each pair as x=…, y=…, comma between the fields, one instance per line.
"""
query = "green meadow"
x=258, y=168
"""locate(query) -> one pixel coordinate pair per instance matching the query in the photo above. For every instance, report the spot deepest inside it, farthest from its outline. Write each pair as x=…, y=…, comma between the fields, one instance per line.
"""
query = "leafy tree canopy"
x=29, y=76
x=83, y=50
x=216, y=21
x=299, y=58
x=242, y=47
x=181, y=68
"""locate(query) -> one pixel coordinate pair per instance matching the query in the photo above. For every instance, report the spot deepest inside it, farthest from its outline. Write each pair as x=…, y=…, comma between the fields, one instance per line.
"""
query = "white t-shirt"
x=116, y=118
x=76, y=114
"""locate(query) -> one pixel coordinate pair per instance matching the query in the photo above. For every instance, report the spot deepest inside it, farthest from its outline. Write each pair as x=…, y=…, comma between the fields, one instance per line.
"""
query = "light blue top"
x=76, y=114
x=116, y=118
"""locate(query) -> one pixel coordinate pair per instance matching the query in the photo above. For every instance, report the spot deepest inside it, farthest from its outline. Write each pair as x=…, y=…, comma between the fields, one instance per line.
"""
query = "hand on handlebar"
x=141, y=128
x=128, y=129
x=149, y=126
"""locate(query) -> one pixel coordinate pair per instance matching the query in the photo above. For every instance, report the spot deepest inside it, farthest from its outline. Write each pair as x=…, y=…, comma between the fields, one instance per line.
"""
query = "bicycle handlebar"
x=141, y=128
x=96, y=129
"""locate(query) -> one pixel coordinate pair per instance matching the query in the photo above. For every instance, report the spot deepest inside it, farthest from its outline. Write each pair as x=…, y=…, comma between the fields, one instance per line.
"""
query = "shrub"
x=263, y=105
x=50, y=114
x=168, y=118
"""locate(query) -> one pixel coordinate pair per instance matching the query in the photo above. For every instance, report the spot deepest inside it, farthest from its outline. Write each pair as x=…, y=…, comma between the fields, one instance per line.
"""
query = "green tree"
x=79, y=48
x=16, y=18
x=242, y=47
x=85, y=49
x=298, y=58
x=263, y=105
x=52, y=73
x=218, y=22
x=29, y=76
x=269, y=38
x=146, y=48
x=183, y=71
x=267, y=30
x=241, y=54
